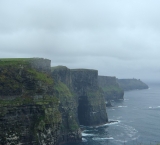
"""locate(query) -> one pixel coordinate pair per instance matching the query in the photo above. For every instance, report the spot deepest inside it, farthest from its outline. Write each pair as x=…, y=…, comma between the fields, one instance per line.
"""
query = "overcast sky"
x=117, y=37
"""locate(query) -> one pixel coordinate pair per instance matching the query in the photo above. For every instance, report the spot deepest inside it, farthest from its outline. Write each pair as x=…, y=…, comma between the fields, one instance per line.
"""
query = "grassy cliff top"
x=17, y=75
x=83, y=69
x=13, y=61
x=59, y=67
x=19, y=61
x=107, y=77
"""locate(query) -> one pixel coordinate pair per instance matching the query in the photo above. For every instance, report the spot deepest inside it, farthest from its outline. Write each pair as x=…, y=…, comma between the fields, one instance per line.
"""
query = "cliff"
x=83, y=83
x=131, y=84
x=39, y=106
x=91, y=103
x=29, y=111
x=110, y=87
x=70, y=130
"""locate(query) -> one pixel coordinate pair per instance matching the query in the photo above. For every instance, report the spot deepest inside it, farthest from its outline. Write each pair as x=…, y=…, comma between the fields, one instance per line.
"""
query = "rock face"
x=30, y=124
x=91, y=103
x=41, y=64
x=131, y=84
x=83, y=83
x=70, y=131
x=29, y=111
x=110, y=87
x=43, y=107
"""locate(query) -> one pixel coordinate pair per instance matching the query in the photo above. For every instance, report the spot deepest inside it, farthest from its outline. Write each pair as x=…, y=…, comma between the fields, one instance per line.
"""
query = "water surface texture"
x=138, y=121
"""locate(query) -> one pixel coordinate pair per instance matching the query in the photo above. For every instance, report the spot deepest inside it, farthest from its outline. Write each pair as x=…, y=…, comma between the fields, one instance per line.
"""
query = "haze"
x=117, y=37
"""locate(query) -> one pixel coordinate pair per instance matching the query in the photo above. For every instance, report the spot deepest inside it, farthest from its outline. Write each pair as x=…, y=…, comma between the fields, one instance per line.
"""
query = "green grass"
x=60, y=67
x=41, y=76
x=62, y=90
x=14, y=61
x=111, y=88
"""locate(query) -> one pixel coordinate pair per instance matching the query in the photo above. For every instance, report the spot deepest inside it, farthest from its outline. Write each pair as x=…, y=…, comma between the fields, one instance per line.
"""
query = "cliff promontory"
x=40, y=105
x=91, y=102
x=70, y=130
x=131, y=84
x=110, y=87
x=83, y=83
x=29, y=110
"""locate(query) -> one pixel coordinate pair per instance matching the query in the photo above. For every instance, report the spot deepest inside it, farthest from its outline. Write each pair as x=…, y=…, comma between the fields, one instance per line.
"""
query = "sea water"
x=138, y=121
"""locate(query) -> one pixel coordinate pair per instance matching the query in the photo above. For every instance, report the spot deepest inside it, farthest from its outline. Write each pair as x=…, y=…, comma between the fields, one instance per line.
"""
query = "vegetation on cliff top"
x=17, y=76
x=59, y=67
x=68, y=107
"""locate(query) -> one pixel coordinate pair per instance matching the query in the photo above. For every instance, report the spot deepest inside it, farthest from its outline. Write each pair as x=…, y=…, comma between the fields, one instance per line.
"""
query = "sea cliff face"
x=83, y=83
x=91, y=103
x=43, y=107
x=110, y=87
x=131, y=84
x=29, y=111
x=70, y=130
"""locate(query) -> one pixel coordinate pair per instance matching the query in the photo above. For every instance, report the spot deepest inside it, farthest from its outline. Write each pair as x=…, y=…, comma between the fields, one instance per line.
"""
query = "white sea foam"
x=84, y=140
x=87, y=134
x=122, y=141
x=157, y=107
x=104, y=138
x=130, y=131
x=86, y=130
x=107, y=124
x=121, y=106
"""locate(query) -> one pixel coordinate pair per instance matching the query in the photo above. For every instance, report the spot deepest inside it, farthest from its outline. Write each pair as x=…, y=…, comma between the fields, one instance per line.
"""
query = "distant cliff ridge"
x=110, y=87
x=131, y=84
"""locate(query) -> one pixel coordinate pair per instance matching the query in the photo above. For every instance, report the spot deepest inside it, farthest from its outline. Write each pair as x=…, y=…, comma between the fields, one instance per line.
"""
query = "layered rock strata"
x=83, y=83
x=39, y=106
x=28, y=109
x=70, y=131
x=91, y=103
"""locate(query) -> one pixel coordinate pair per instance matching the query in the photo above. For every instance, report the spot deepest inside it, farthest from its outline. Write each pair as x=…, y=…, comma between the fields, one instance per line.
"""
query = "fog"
x=117, y=38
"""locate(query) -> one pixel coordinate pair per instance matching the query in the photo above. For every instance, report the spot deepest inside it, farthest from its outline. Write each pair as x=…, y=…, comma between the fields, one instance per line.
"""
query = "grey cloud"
x=119, y=38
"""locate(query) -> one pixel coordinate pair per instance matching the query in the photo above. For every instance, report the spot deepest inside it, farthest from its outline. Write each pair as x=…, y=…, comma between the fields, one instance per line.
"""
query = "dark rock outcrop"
x=110, y=87
x=30, y=124
x=131, y=84
x=70, y=131
x=91, y=109
x=83, y=83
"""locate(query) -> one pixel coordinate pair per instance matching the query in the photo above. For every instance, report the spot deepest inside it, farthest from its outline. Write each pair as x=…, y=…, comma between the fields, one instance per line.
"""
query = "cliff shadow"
x=82, y=110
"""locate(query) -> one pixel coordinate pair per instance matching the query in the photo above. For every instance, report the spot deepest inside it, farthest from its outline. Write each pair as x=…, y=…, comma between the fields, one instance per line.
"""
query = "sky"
x=116, y=37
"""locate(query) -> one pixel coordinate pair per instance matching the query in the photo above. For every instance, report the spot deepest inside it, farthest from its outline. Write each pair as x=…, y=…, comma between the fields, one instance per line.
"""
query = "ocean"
x=138, y=121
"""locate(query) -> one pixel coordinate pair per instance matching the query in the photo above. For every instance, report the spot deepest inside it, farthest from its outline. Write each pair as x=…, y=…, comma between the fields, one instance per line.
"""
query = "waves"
x=114, y=132
x=122, y=106
x=154, y=108
x=87, y=134
x=132, y=121
x=101, y=139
